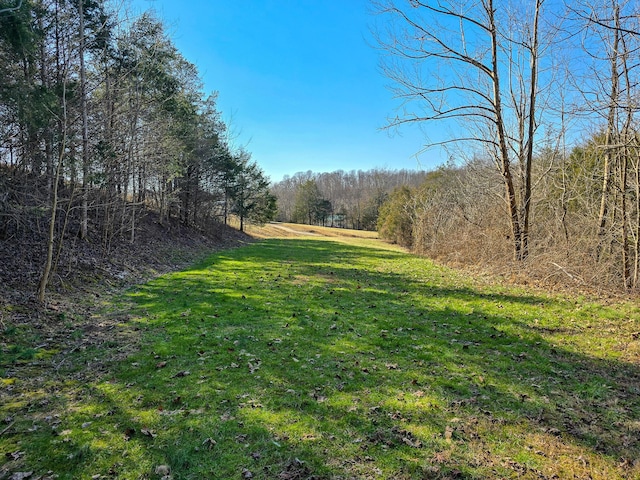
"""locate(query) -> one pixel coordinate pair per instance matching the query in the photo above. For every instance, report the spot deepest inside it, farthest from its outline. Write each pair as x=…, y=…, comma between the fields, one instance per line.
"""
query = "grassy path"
x=318, y=359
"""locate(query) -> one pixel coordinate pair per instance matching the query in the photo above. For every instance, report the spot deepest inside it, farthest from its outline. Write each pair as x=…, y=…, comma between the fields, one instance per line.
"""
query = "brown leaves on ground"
x=394, y=437
x=148, y=432
x=297, y=470
x=209, y=443
x=21, y=476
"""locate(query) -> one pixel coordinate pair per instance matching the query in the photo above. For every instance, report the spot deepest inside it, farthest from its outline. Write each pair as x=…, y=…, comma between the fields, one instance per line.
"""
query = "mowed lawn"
x=314, y=358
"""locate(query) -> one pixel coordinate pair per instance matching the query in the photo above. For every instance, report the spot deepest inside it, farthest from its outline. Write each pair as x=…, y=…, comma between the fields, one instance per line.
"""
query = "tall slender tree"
x=484, y=57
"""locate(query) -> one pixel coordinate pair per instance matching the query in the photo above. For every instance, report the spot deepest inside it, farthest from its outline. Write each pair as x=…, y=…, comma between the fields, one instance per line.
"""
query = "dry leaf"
x=253, y=367
x=209, y=443
x=14, y=455
x=20, y=475
x=246, y=473
x=448, y=433
x=412, y=442
x=163, y=470
x=148, y=432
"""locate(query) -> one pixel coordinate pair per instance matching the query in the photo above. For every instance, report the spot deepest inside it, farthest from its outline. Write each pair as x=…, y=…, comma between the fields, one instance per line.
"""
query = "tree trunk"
x=44, y=279
x=636, y=263
x=531, y=129
x=46, y=271
x=626, y=256
x=84, y=222
x=504, y=161
x=611, y=126
x=627, y=137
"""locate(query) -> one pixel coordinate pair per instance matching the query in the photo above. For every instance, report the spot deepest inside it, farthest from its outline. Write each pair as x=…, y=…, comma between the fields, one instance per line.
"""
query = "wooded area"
x=101, y=120
x=539, y=101
x=339, y=199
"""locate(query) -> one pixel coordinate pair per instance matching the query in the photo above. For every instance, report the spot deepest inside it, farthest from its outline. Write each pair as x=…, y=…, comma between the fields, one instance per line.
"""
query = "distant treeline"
x=339, y=199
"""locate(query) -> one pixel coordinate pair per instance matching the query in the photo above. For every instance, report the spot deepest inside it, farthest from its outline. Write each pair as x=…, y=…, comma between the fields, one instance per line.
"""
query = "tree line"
x=339, y=199
x=540, y=101
x=102, y=118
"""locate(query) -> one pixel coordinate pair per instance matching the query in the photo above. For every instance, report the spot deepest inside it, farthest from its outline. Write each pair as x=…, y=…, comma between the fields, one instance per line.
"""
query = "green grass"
x=295, y=359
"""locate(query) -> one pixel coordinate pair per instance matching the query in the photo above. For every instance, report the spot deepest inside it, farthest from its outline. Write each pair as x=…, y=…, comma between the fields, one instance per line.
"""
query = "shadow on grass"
x=300, y=359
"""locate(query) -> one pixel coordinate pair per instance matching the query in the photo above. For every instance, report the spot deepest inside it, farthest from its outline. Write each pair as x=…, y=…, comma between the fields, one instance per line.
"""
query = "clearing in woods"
x=316, y=357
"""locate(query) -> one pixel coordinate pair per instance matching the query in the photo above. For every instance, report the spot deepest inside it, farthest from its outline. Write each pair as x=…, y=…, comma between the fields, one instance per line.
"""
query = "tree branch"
x=12, y=9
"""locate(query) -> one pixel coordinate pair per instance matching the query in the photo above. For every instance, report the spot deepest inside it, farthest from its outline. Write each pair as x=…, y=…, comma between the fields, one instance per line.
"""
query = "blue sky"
x=298, y=81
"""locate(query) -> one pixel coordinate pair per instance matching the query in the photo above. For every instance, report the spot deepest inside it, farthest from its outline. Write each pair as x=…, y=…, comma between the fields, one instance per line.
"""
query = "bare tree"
x=53, y=212
x=610, y=40
x=463, y=64
x=611, y=129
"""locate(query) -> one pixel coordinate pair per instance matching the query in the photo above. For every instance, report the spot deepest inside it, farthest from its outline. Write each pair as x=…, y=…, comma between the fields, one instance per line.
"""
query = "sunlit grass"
x=314, y=358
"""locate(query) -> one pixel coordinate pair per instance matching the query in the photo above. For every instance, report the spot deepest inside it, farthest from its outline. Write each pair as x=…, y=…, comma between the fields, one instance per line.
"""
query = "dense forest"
x=101, y=120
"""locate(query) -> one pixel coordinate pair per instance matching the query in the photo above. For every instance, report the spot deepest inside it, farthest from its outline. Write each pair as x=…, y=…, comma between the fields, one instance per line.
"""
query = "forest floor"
x=90, y=269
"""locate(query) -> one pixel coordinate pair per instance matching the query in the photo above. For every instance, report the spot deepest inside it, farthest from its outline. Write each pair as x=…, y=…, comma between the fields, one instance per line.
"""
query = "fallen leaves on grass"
x=129, y=433
x=20, y=475
x=209, y=443
x=296, y=470
x=253, y=367
x=394, y=437
x=164, y=471
x=448, y=433
x=246, y=473
x=148, y=432
x=14, y=455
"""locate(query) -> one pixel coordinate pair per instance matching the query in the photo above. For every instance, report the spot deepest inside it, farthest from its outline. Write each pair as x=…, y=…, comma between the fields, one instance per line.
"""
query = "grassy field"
x=307, y=357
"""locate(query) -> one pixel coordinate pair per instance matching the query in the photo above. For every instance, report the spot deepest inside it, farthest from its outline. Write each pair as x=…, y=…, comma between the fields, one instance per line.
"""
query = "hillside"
x=88, y=269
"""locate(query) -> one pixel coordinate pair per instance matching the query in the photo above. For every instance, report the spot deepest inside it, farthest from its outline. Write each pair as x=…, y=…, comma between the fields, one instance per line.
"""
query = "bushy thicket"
x=458, y=216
